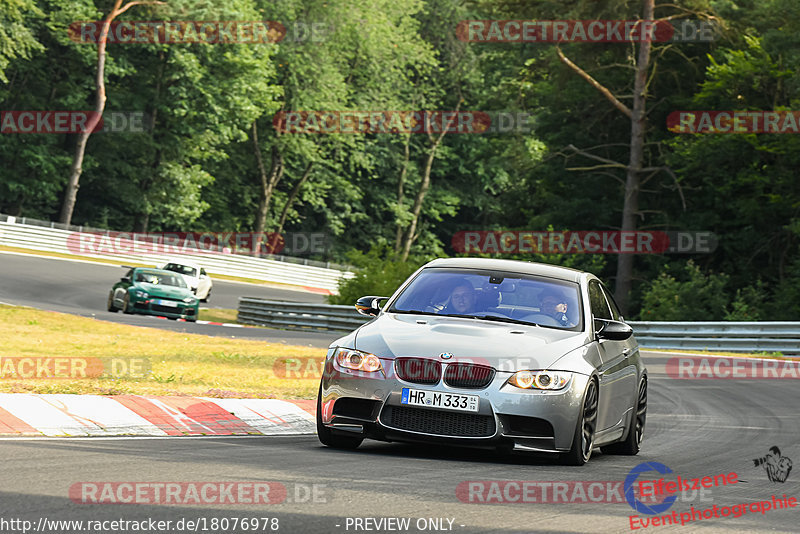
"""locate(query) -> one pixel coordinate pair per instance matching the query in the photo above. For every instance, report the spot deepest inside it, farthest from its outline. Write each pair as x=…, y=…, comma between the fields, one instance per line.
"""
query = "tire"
x=630, y=446
x=126, y=304
x=326, y=435
x=583, y=440
x=110, y=304
x=208, y=296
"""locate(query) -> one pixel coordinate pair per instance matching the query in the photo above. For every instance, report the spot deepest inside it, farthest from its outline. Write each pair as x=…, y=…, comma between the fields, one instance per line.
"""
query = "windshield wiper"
x=415, y=312
x=494, y=318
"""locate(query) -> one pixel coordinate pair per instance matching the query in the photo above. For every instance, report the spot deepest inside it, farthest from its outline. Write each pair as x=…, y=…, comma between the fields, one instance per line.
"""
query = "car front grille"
x=468, y=376
x=418, y=370
x=439, y=422
x=165, y=309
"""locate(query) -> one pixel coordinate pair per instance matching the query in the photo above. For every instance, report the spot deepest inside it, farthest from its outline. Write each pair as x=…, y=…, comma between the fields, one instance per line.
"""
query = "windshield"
x=183, y=269
x=159, y=278
x=493, y=295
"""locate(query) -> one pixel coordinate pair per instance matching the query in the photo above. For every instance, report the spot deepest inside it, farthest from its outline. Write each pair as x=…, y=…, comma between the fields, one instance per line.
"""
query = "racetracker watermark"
x=734, y=122
x=71, y=122
x=402, y=122
x=583, y=242
x=460, y=369
x=205, y=493
x=584, y=31
x=178, y=243
x=554, y=492
x=703, y=368
x=181, y=31
x=40, y=367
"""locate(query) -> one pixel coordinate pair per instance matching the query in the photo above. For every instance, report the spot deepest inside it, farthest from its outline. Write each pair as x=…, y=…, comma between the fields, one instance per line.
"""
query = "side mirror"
x=613, y=330
x=369, y=306
x=125, y=279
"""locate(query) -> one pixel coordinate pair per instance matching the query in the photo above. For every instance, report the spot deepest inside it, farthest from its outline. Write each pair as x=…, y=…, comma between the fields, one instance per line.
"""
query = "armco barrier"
x=38, y=237
x=725, y=336
x=729, y=336
x=283, y=314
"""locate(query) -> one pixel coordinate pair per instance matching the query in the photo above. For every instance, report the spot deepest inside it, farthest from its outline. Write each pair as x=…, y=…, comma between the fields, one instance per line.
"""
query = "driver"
x=462, y=299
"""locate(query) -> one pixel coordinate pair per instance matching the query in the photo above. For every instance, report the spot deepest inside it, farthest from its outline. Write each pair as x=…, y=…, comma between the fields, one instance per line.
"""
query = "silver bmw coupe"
x=489, y=353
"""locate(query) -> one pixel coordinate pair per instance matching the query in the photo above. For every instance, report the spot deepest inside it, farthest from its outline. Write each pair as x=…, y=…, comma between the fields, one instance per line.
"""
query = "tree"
x=71, y=194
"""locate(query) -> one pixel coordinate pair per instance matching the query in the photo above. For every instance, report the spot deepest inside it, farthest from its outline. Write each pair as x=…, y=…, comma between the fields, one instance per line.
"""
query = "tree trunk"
x=71, y=194
x=292, y=196
x=631, y=205
x=268, y=183
x=398, y=240
x=410, y=236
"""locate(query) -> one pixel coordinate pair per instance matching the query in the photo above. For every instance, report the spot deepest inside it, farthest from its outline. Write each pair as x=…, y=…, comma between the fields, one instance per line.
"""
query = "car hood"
x=157, y=290
x=504, y=346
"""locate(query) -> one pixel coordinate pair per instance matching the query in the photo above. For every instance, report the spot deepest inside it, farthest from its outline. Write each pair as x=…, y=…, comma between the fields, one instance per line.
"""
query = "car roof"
x=182, y=262
x=522, y=267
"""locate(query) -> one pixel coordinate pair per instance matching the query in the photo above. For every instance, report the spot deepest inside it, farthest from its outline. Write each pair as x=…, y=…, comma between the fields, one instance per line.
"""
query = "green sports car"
x=153, y=292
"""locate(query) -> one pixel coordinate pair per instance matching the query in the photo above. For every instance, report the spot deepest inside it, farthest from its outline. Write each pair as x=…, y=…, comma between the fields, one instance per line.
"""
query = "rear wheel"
x=583, y=440
x=110, y=305
x=630, y=446
x=326, y=435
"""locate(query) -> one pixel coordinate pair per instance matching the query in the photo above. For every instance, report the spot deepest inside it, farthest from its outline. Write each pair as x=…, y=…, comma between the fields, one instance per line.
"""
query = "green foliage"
x=749, y=304
x=693, y=297
x=17, y=41
x=380, y=274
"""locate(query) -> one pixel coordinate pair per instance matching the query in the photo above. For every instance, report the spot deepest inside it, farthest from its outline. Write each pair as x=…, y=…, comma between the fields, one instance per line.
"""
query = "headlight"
x=142, y=294
x=189, y=300
x=540, y=379
x=358, y=360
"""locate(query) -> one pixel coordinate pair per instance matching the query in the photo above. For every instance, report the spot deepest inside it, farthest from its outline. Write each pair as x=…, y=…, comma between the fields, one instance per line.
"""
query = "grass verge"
x=177, y=363
x=218, y=315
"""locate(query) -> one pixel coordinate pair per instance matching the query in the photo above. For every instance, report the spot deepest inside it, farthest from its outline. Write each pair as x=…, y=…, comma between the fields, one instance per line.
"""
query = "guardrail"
x=728, y=336
x=13, y=233
x=283, y=314
x=725, y=336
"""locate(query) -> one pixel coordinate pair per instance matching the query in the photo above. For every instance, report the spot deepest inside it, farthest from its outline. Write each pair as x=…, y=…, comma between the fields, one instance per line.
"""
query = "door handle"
x=626, y=351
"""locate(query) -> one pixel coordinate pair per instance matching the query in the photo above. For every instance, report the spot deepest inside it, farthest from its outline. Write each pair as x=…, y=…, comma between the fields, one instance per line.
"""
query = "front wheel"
x=326, y=435
x=583, y=440
x=632, y=443
x=110, y=305
x=208, y=296
x=126, y=304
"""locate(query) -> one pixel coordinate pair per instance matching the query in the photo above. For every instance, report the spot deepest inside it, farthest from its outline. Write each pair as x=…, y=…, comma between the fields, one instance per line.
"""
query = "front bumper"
x=151, y=306
x=507, y=416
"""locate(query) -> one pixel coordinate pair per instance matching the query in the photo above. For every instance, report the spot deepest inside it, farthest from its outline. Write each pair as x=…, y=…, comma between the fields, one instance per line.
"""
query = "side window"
x=129, y=275
x=598, y=302
x=614, y=309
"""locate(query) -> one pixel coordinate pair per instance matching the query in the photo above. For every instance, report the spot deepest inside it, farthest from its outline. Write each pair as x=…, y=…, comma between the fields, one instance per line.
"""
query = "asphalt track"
x=696, y=427
x=81, y=288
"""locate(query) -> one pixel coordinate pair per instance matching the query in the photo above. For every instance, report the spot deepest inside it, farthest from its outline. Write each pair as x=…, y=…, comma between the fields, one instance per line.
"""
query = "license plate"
x=435, y=399
x=170, y=303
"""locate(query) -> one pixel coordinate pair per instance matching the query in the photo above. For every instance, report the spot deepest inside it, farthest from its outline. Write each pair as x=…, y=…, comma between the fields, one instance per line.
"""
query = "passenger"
x=555, y=306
